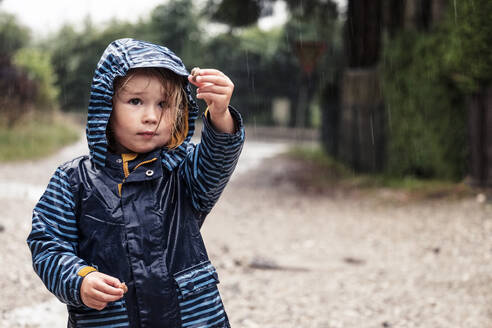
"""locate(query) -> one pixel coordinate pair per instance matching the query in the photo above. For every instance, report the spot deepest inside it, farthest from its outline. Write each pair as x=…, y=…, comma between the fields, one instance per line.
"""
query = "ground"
x=288, y=256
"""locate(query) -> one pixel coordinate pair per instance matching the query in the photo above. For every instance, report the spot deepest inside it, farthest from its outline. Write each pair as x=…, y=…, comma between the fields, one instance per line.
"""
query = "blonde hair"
x=174, y=94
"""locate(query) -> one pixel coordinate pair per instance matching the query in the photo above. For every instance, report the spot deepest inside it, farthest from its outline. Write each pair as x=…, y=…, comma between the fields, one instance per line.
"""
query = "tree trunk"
x=330, y=118
x=480, y=137
x=363, y=32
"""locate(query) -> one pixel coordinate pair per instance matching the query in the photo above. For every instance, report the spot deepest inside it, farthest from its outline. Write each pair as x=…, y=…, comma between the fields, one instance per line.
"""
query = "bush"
x=425, y=110
x=37, y=65
x=13, y=35
x=17, y=89
x=427, y=79
x=469, y=54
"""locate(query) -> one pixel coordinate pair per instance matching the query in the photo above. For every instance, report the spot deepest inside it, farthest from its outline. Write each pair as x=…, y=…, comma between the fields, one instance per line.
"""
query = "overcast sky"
x=48, y=15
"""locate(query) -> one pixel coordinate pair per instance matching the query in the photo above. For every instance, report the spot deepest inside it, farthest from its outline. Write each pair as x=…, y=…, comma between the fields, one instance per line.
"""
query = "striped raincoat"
x=145, y=232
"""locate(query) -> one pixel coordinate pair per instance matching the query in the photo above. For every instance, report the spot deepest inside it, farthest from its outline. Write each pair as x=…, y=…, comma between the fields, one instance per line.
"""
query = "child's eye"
x=135, y=101
x=163, y=104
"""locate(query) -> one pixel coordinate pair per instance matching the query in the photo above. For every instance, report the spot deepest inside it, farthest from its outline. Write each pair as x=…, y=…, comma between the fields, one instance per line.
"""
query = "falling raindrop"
x=372, y=130
x=389, y=117
x=247, y=62
x=455, y=12
x=254, y=125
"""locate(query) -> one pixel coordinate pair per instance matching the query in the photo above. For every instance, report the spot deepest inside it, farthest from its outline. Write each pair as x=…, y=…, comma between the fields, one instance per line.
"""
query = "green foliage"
x=469, y=55
x=261, y=64
x=37, y=65
x=426, y=114
x=175, y=25
x=235, y=13
x=427, y=78
x=313, y=20
x=75, y=55
x=17, y=90
x=13, y=35
x=35, y=140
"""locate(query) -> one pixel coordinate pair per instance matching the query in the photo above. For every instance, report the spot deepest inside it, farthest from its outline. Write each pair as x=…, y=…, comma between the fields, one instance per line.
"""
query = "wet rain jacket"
x=149, y=237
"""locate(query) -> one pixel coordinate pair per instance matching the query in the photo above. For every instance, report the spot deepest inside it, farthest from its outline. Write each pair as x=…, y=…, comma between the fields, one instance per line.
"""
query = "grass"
x=35, y=139
x=322, y=172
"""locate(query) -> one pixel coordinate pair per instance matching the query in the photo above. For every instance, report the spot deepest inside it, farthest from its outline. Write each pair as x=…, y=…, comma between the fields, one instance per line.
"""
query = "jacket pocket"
x=200, y=304
x=113, y=315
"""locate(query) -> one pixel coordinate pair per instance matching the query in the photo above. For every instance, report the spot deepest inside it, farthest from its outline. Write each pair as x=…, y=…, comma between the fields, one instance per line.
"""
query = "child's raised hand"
x=98, y=289
x=216, y=89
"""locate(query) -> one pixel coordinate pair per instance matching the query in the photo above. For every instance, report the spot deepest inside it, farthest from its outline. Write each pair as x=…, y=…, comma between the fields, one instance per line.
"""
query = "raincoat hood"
x=118, y=58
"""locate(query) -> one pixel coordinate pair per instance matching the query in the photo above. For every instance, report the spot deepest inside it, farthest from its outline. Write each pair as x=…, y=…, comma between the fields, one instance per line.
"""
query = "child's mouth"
x=147, y=134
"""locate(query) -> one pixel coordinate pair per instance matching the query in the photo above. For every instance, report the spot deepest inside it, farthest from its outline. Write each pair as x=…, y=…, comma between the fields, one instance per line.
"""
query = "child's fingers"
x=210, y=71
x=111, y=281
x=214, y=79
x=190, y=79
x=212, y=97
x=103, y=297
x=214, y=89
x=202, y=74
x=106, y=288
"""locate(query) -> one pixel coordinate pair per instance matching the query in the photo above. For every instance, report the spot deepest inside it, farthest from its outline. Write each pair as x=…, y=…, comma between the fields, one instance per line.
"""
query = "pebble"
x=481, y=198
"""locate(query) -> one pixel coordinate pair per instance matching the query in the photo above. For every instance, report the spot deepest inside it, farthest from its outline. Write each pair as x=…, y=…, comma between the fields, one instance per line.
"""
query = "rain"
x=363, y=194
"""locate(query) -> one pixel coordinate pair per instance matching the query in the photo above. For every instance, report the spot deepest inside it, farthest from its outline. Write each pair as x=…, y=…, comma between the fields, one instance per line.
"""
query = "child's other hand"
x=216, y=89
x=98, y=289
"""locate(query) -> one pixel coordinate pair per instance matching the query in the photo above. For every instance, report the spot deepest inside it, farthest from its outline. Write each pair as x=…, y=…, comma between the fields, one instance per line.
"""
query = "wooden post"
x=362, y=122
x=480, y=138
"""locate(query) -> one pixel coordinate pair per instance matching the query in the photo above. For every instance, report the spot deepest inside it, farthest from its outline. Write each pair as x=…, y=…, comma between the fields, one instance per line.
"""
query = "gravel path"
x=291, y=259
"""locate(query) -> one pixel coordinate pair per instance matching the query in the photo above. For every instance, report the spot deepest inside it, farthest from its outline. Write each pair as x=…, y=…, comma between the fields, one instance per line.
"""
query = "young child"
x=116, y=235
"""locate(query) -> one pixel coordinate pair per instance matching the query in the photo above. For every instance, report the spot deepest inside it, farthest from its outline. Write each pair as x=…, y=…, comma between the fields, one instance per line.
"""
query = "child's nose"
x=151, y=115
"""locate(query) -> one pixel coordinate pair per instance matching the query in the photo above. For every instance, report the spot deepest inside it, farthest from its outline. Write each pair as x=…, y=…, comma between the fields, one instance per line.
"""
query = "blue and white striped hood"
x=119, y=57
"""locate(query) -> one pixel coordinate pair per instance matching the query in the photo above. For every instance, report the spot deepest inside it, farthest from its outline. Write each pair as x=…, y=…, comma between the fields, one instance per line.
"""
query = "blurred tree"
x=312, y=22
x=426, y=113
x=37, y=65
x=430, y=76
x=13, y=35
x=18, y=90
x=363, y=32
x=175, y=25
x=470, y=55
x=469, y=59
x=235, y=13
x=75, y=55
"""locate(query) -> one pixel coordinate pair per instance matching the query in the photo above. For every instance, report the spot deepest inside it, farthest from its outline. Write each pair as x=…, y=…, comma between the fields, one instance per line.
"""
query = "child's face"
x=141, y=120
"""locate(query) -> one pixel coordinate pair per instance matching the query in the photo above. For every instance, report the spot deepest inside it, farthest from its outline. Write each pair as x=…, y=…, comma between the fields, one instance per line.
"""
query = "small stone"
x=2, y=228
x=263, y=263
x=481, y=198
x=225, y=249
x=353, y=260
